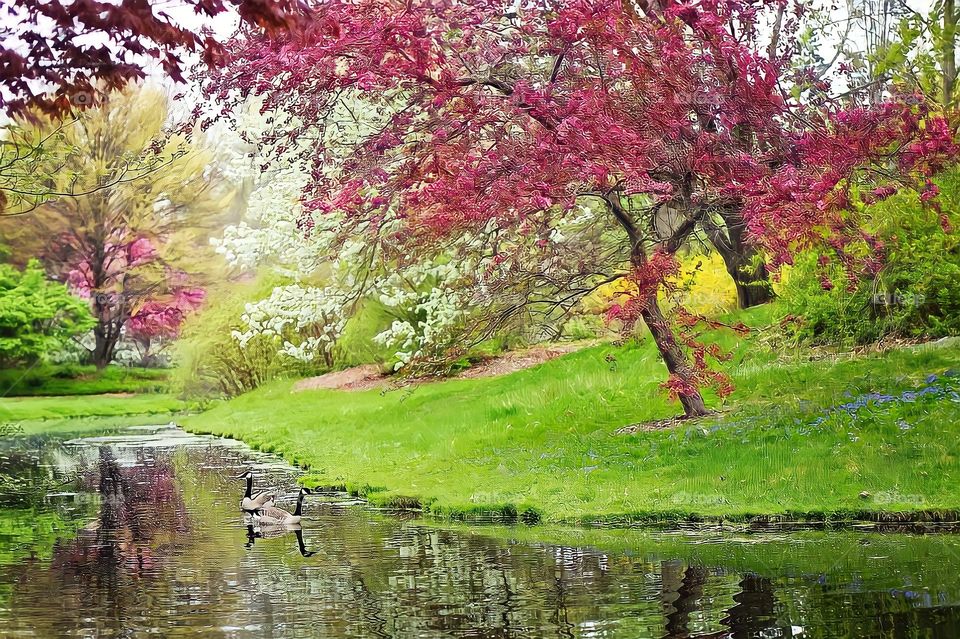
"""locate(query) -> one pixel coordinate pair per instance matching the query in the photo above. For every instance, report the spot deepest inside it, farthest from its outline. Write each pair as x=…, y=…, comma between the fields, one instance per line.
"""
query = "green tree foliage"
x=892, y=44
x=37, y=316
x=915, y=294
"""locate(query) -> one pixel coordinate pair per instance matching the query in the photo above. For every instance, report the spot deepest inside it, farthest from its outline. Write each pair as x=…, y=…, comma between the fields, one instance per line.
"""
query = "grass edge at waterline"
x=854, y=437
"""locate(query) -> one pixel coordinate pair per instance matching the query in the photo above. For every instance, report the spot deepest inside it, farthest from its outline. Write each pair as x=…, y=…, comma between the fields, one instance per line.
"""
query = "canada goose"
x=251, y=502
x=273, y=515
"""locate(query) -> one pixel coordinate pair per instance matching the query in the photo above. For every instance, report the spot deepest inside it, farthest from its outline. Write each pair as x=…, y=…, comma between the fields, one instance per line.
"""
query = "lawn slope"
x=837, y=437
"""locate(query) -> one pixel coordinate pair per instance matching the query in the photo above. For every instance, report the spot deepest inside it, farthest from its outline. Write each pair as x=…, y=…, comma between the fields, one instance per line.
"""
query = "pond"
x=138, y=533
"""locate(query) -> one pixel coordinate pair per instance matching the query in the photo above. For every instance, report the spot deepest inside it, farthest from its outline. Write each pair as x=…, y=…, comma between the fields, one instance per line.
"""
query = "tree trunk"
x=104, y=346
x=673, y=356
x=749, y=274
x=948, y=51
x=671, y=352
x=752, y=282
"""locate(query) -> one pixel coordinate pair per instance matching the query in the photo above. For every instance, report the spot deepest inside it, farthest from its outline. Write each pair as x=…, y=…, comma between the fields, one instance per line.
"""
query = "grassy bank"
x=28, y=409
x=542, y=441
x=71, y=379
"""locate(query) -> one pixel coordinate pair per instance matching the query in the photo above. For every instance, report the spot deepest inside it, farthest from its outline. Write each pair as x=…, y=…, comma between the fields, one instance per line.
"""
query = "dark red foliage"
x=499, y=117
x=59, y=54
x=510, y=115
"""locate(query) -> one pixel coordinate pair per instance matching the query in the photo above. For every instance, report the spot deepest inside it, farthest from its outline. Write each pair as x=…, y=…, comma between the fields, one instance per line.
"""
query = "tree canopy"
x=57, y=55
x=128, y=246
x=489, y=121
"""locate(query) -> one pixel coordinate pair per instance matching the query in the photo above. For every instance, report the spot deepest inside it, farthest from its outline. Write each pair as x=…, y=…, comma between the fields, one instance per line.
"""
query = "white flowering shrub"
x=429, y=304
x=309, y=319
x=272, y=233
x=306, y=320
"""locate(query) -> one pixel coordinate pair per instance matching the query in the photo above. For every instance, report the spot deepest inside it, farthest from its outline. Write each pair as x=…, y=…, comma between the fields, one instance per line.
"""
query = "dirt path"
x=368, y=377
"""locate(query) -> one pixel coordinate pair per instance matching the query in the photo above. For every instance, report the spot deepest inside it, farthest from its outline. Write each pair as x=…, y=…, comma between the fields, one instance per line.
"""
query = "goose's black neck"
x=249, y=492
x=298, y=512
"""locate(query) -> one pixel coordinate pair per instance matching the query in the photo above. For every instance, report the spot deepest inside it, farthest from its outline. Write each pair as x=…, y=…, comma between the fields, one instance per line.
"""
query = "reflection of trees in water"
x=141, y=511
x=349, y=573
x=101, y=570
x=24, y=479
x=382, y=578
x=141, y=514
x=861, y=611
x=685, y=604
x=755, y=610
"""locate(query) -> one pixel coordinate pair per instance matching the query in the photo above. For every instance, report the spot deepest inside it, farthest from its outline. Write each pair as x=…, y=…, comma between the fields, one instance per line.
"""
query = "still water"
x=138, y=534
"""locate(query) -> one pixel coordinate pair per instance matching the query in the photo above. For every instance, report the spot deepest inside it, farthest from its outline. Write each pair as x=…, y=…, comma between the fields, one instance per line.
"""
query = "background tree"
x=29, y=155
x=492, y=122
x=884, y=44
x=58, y=58
x=128, y=246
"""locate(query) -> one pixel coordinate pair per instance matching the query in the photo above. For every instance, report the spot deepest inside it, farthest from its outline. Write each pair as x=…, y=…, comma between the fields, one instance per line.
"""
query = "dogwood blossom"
x=427, y=297
x=307, y=320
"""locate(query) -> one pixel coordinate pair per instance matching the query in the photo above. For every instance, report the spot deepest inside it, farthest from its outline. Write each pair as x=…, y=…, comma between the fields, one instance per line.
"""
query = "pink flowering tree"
x=666, y=118
x=158, y=320
x=133, y=293
x=128, y=245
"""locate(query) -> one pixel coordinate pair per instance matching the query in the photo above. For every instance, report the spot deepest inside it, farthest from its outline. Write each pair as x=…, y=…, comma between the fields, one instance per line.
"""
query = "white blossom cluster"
x=271, y=234
x=307, y=320
x=428, y=306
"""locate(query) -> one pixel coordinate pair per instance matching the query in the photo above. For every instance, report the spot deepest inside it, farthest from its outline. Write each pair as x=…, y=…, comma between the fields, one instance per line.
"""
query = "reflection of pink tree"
x=141, y=511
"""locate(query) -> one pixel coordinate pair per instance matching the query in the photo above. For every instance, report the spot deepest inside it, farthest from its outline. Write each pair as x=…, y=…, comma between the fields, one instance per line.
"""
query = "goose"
x=251, y=502
x=272, y=515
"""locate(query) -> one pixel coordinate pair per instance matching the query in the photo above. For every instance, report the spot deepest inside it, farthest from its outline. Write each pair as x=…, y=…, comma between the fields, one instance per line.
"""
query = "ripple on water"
x=147, y=540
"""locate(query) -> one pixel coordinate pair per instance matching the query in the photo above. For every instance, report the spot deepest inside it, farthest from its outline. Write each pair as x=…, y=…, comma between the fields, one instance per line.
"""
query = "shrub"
x=915, y=294
x=211, y=362
x=37, y=316
x=356, y=346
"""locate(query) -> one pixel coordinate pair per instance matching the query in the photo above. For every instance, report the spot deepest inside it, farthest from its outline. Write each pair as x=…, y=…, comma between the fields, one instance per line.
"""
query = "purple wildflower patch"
x=937, y=387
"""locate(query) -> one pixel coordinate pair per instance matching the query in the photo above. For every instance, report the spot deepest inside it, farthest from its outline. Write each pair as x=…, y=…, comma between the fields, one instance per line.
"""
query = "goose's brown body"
x=273, y=515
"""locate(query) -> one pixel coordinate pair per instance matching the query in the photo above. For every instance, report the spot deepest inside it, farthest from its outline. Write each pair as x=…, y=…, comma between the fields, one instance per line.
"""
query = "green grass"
x=48, y=380
x=542, y=442
x=71, y=427
x=31, y=409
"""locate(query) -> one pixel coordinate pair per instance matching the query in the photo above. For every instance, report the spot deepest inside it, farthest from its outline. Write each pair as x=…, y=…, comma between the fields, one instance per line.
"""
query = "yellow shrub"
x=705, y=288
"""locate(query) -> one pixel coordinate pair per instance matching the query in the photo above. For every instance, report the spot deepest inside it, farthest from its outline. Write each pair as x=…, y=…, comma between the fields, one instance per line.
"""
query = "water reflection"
x=140, y=518
x=165, y=551
x=255, y=532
